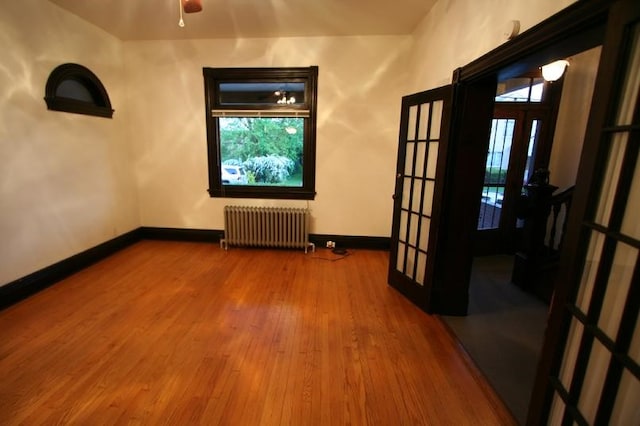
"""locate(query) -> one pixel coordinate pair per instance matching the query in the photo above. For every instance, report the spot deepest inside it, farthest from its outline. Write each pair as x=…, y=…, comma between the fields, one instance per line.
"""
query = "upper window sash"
x=277, y=89
x=259, y=113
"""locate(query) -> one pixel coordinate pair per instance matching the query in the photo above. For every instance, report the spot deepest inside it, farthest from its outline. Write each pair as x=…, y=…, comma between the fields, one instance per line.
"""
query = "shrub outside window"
x=261, y=132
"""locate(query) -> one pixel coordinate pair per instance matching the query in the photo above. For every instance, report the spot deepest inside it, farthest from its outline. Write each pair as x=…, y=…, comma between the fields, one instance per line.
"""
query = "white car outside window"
x=233, y=175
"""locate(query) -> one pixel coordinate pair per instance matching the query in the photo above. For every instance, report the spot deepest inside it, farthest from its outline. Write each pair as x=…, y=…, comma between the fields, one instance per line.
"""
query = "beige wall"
x=456, y=32
x=360, y=84
x=361, y=81
x=70, y=182
x=577, y=90
x=65, y=181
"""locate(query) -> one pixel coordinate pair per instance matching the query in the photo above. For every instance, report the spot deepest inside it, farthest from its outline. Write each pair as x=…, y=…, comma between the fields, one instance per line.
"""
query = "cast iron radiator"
x=266, y=227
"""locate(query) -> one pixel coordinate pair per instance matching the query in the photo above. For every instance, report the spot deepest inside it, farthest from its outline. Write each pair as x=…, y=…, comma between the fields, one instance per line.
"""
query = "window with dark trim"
x=74, y=88
x=261, y=131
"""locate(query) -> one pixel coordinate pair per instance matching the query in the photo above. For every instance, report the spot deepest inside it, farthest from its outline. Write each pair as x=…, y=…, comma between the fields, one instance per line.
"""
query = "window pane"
x=634, y=347
x=571, y=353
x=436, y=118
x=73, y=89
x=411, y=125
x=630, y=223
x=624, y=263
x=400, y=262
x=261, y=151
x=424, y=233
x=557, y=410
x=408, y=159
x=495, y=177
x=261, y=93
x=490, y=207
x=428, y=197
x=406, y=191
x=413, y=229
x=611, y=177
x=533, y=136
x=403, y=226
x=592, y=263
x=411, y=261
x=417, y=192
x=420, y=154
x=632, y=82
x=499, y=150
x=422, y=266
x=424, y=122
x=625, y=410
x=432, y=160
x=513, y=90
x=520, y=90
x=537, y=89
x=593, y=381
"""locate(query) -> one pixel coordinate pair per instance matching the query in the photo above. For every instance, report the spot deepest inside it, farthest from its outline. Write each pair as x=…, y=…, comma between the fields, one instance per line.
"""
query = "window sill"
x=263, y=193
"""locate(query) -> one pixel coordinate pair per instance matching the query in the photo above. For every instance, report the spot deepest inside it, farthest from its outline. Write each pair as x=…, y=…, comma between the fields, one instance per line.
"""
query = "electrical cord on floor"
x=342, y=253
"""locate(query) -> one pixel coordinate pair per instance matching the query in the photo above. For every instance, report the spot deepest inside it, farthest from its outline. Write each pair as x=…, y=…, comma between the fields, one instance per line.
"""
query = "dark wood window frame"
x=212, y=78
x=96, y=102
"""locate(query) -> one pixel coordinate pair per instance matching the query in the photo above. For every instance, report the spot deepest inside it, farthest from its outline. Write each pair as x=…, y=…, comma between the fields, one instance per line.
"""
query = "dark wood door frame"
x=470, y=129
x=577, y=28
x=621, y=15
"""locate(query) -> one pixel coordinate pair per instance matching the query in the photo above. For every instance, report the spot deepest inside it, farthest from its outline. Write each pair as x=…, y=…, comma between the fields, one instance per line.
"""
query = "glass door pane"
x=602, y=385
x=495, y=178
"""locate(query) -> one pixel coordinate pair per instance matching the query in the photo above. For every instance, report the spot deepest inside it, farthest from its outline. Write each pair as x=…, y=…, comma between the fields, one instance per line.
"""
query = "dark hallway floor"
x=503, y=332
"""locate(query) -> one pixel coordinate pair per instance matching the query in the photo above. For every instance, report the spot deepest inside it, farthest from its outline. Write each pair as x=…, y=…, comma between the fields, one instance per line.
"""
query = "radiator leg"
x=223, y=244
x=313, y=248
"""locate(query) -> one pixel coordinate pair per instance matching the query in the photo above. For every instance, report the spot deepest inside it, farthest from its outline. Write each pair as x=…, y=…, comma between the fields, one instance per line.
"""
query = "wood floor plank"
x=187, y=333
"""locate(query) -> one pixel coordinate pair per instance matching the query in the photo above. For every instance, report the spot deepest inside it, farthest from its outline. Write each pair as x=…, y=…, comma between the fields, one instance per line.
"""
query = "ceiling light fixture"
x=554, y=70
x=284, y=99
x=188, y=6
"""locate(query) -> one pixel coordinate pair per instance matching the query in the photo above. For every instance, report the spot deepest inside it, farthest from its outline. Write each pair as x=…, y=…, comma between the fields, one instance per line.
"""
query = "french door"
x=509, y=158
x=590, y=368
x=424, y=124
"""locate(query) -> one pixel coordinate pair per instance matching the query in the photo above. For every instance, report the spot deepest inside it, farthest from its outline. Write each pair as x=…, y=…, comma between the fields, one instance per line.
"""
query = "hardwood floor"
x=186, y=333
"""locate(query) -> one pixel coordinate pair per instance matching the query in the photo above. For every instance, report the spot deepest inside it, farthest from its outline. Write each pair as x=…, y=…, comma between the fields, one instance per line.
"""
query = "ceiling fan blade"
x=191, y=6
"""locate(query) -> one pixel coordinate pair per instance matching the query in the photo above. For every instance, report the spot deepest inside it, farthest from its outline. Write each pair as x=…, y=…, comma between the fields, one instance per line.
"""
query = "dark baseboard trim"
x=352, y=242
x=181, y=234
x=215, y=235
x=23, y=287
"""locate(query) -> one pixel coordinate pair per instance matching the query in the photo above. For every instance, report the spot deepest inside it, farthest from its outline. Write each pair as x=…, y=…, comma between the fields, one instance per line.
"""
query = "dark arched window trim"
x=99, y=106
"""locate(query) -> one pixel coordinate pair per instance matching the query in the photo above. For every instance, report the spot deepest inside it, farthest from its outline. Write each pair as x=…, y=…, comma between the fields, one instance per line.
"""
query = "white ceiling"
x=158, y=19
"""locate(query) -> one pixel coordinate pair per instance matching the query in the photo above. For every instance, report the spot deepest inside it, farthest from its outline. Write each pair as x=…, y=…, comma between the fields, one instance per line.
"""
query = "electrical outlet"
x=331, y=244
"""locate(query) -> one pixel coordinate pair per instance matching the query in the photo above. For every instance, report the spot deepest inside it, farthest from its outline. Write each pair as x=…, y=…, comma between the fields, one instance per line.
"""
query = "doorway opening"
x=504, y=328
x=520, y=142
